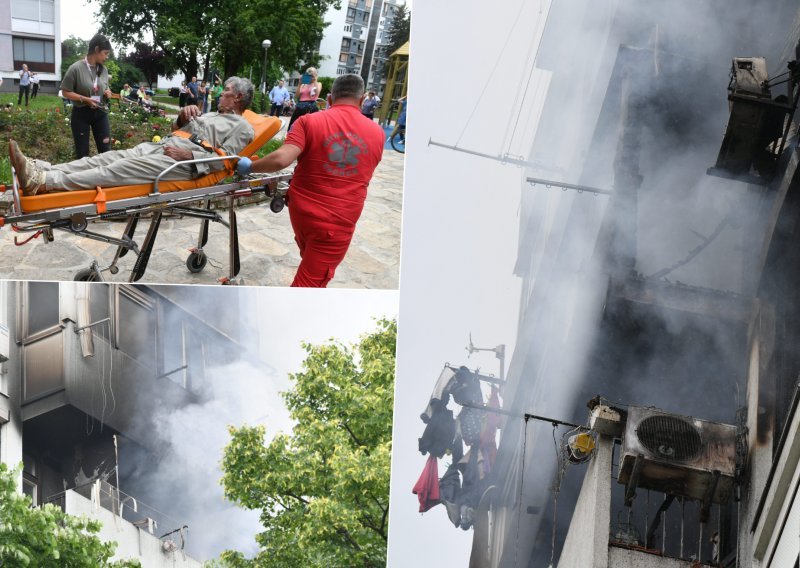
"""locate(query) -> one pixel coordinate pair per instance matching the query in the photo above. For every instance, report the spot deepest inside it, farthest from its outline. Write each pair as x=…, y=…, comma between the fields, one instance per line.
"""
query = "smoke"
x=189, y=442
x=665, y=67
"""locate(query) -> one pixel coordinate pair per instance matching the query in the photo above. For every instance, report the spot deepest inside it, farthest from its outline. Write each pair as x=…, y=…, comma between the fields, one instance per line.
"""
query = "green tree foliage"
x=327, y=83
x=125, y=73
x=72, y=49
x=323, y=491
x=399, y=31
x=229, y=35
x=148, y=60
x=46, y=537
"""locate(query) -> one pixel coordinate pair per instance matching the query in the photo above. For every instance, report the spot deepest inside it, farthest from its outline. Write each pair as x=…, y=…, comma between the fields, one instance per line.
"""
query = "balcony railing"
x=664, y=525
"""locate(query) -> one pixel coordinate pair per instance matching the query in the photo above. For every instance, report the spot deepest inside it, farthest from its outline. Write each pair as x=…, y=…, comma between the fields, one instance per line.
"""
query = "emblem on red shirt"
x=343, y=150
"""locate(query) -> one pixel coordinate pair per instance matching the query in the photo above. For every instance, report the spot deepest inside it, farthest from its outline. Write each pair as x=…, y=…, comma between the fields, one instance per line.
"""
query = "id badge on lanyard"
x=95, y=87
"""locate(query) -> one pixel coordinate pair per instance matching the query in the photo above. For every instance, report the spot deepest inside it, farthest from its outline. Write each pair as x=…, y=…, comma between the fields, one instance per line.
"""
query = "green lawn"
x=166, y=99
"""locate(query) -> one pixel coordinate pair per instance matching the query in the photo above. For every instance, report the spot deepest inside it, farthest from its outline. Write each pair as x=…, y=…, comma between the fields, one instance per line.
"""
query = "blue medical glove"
x=243, y=166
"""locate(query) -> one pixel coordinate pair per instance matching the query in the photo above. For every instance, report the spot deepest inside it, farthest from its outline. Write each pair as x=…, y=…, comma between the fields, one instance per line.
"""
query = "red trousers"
x=322, y=248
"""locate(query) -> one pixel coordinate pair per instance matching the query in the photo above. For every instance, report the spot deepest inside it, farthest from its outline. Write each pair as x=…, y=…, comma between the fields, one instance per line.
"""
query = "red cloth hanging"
x=427, y=486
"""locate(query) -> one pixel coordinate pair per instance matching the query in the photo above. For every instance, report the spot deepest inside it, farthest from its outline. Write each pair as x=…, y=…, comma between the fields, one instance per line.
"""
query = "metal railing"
x=125, y=506
x=670, y=526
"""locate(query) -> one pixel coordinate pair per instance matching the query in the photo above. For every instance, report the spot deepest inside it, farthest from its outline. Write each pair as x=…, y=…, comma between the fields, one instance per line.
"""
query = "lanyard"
x=96, y=73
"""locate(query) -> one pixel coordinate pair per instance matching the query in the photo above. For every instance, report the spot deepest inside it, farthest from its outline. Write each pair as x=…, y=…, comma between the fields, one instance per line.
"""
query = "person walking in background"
x=191, y=92
x=307, y=94
x=202, y=97
x=278, y=95
x=182, y=94
x=34, y=84
x=370, y=104
x=337, y=152
x=24, y=84
x=86, y=84
x=216, y=92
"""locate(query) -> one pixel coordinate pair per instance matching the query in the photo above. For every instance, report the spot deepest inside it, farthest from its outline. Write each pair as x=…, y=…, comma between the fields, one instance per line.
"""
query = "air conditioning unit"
x=678, y=455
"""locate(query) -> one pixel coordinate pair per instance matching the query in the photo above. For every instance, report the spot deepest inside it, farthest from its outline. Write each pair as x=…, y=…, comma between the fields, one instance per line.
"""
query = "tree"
x=47, y=537
x=72, y=49
x=399, y=30
x=327, y=83
x=148, y=60
x=186, y=30
x=323, y=490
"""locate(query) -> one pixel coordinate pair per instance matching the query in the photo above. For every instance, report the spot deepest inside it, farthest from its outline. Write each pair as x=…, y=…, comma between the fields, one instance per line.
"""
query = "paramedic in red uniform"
x=336, y=151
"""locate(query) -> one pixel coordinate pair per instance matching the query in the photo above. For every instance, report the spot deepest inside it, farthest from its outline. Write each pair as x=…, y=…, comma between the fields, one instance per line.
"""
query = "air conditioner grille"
x=669, y=437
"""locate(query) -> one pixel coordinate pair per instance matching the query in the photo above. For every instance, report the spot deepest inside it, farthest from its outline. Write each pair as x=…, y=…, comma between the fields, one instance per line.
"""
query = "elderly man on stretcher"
x=194, y=136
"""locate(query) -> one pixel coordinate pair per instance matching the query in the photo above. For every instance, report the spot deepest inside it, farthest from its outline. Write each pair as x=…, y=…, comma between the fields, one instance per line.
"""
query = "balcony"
x=140, y=531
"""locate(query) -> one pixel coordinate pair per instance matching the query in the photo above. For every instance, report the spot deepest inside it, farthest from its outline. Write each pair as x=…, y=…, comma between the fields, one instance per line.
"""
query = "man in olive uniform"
x=225, y=130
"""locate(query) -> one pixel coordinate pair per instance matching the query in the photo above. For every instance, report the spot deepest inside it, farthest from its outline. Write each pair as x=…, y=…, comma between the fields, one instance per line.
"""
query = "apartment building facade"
x=87, y=370
x=30, y=33
x=355, y=40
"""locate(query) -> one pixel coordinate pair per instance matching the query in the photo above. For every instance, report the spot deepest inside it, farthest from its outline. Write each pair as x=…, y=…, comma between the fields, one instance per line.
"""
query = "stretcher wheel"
x=85, y=275
x=196, y=262
x=78, y=222
x=277, y=204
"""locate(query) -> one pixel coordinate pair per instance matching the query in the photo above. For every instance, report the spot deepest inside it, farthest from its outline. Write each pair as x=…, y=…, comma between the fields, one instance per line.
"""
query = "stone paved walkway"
x=269, y=256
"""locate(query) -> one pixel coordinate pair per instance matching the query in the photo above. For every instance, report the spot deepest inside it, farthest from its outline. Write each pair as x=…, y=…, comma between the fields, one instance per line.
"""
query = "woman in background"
x=307, y=94
x=86, y=84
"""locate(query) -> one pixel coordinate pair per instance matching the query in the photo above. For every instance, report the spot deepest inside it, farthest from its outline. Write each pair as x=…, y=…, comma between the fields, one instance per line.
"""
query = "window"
x=348, y=27
x=32, y=51
x=40, y=307
x=345, y=44
x=36, y=10
x=183, y=350
x=342, y=58
x=99, y=302
x=136, y=325
x=30, y=481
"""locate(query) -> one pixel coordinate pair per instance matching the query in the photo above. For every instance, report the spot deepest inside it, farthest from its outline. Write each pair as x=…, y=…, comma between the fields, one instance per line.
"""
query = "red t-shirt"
x=340, y=149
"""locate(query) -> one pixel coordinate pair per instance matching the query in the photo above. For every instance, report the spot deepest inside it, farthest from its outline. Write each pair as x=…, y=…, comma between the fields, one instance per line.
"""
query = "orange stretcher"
x=72, y=211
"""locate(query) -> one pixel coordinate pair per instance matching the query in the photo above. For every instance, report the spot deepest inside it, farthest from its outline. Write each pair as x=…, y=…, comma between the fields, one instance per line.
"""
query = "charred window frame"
x=135, y=325
x=183, y=349
x=38, y=311
x=173, y=349
x=30, y=478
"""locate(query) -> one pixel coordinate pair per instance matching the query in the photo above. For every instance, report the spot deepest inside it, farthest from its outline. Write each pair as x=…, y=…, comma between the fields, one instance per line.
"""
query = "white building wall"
x=10, y=391
x=28, y=28
x=586, y=545
x=624, y=558
x=776, y=539
x=132, y=542
x=331, y=44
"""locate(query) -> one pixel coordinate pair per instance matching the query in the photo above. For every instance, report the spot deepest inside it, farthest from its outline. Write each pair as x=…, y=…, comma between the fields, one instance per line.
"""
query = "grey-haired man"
x=225, y=130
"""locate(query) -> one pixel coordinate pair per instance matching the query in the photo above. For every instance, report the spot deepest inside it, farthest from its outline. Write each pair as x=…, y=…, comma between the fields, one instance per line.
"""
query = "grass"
x=159, y=98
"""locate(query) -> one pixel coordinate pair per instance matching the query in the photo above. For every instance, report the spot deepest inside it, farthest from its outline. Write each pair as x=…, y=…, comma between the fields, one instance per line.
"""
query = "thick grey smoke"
x=577, y=338
x=189, y=443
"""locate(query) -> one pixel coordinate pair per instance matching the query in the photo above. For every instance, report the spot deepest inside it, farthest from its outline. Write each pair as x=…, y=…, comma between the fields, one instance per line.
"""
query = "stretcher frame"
x=194, y=203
